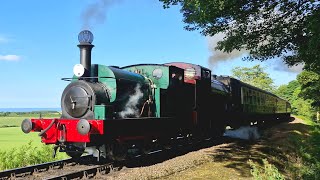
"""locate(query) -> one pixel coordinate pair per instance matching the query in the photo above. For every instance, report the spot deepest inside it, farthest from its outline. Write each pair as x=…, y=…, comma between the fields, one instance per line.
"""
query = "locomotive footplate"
x=54, y=131
x=57, y=130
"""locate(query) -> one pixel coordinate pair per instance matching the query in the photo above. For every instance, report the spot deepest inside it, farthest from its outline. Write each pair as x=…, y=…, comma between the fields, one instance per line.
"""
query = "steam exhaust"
x=244, y=132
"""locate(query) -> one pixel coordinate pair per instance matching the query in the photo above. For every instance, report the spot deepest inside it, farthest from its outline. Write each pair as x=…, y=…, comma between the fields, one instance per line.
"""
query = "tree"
x=265, y=28
x=310, y=85
x=254, y=76
x=299, y=105
x=287, y=91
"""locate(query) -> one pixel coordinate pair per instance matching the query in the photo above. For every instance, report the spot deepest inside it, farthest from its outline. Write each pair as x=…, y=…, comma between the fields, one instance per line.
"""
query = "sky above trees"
x=38, y=44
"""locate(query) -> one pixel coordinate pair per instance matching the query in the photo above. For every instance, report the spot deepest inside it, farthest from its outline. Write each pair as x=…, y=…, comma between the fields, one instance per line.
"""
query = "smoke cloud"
x=130, y=108
x=281, y=66
x=95, y=13
x=219, y=56
x=244, y=132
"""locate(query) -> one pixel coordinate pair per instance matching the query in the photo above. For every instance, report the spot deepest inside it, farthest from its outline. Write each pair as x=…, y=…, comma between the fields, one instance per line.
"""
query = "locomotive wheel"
x=116, y=151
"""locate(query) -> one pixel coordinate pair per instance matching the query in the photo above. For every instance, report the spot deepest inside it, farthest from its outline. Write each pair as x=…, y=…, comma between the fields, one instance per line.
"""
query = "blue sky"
x=38, y=45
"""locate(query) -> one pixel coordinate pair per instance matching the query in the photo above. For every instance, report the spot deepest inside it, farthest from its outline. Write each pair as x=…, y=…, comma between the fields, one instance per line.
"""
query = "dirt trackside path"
x=228, y=160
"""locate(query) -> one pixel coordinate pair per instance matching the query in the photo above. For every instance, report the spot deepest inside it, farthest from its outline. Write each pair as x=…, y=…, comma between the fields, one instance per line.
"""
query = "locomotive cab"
x=206, y=103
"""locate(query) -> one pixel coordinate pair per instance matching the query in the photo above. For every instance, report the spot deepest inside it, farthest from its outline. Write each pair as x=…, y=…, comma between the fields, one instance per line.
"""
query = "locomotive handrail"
x=70, y=79
x=45, y=130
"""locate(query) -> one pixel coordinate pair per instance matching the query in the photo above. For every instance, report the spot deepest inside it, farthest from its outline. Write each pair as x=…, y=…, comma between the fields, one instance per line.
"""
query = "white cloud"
x=9, y=57
x=3, y=39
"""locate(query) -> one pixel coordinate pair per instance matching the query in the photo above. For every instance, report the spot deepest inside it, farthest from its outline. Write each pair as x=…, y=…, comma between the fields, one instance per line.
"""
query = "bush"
x=310, y=152
x=265, y=172
x=26, y=155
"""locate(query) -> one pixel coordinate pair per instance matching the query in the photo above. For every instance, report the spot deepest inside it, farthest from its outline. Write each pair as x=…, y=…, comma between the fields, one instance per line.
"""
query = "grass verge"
x=25, y=155
x=295, y=155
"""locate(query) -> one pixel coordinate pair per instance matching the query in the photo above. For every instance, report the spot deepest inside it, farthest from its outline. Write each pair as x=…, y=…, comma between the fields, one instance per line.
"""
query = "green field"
x=14, y=120
x=14, y=137
x=11, y=134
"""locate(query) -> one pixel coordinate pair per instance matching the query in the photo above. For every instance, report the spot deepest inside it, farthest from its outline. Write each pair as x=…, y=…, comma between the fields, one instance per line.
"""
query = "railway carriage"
x=249, y=104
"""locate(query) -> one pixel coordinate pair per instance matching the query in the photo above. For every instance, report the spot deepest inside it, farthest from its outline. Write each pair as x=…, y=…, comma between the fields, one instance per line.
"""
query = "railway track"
x=62, y=169
x=87, y=167
x=87, y=173
x=29, y=170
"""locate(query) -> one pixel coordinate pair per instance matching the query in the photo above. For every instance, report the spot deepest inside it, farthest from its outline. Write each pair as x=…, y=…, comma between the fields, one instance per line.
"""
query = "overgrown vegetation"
x=26, y=155
x=265, y=172
x=299, y=105
x=13, y=154
x=299, y=156
x=309, y=151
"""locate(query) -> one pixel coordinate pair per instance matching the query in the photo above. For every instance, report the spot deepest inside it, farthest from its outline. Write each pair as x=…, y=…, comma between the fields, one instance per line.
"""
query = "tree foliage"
x=299, y=105
x=265, y=28
x=310, y=85
x=287, y=91
x=254, y=76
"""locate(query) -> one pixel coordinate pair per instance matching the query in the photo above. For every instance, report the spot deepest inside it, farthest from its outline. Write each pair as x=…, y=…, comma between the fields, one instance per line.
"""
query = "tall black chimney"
x=85, y=38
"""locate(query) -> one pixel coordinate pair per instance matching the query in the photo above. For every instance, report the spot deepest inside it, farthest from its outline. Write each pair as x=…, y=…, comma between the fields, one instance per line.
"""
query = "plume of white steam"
x=95, y=13
x=130, y=108
x=244, y=132
x=217, y=55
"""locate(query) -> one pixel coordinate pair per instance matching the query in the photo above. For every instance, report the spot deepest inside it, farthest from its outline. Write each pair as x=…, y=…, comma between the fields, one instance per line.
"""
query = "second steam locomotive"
x=107, y=110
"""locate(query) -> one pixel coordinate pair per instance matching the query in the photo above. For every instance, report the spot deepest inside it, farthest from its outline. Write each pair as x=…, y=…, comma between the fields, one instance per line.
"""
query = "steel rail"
x=96, y=170
x=29, y=170
x=85, y=173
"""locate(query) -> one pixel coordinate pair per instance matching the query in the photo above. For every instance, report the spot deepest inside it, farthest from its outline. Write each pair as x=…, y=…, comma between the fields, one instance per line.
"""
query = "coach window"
x=263, y=99
x=250, y=97
x=269, y=100
x=247, y=96
x=255, y=98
